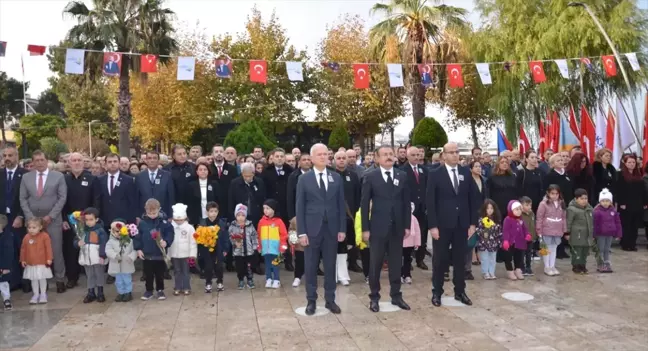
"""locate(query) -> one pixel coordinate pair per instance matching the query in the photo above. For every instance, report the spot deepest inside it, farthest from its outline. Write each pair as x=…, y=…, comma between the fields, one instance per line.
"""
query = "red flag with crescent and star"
x=148, y=63
x=455, y=78
x=537, y=71
x=258, y=71
x=610, y=65
x=361, y=75
x=112, y=64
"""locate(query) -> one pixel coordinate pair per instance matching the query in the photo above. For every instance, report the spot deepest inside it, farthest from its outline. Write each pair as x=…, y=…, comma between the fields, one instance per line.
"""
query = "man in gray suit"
x=320, y=215
x=42, y=194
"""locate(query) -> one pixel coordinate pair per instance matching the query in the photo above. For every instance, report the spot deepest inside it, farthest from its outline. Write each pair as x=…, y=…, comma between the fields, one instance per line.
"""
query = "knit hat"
x=273, y=204
x=240, y=208
x=605, y=195
x=512, y=205
x=179, y=211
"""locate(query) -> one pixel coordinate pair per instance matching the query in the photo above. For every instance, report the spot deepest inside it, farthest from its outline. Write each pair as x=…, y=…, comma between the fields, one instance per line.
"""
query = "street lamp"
x=614, y=51
x=90, y=134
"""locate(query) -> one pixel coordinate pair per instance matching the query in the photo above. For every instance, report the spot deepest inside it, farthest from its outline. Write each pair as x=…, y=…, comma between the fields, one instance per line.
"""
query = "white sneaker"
x=296, y=283
x=268, y=283
x=548, y=271
x=275, y=284
x=208, y=288
x=408, y=280
x=536, y=258
x=43, y=298
x=486, y=276
x=34, y=300
x=555, y=271
x=344, y=282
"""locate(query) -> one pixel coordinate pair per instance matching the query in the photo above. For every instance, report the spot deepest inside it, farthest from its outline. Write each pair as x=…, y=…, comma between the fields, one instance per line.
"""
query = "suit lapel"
x=446, y=175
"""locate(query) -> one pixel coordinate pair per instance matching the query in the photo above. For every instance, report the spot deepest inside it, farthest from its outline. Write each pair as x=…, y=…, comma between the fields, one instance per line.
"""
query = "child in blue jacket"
x=92, y=254
x=213, y=261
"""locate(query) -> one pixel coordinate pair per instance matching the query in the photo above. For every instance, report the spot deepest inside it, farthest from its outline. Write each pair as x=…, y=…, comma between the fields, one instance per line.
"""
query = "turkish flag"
x=542, y=143
x=455, y=78
x=148, y=63
x=361, y=75
x=588, y=133
x=258, y=71
x=610, y=65
x=609, y=130
x=537, y=71
x=36, y=50
x=523, y=142
x=572, y=123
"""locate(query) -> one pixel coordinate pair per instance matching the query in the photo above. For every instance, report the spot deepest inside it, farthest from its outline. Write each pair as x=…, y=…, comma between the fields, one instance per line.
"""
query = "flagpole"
x=628, y=118
x=616, y=118
x=22, y=64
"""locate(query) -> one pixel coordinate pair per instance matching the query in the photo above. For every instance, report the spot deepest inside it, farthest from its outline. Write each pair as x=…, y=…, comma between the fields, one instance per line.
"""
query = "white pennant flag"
x=295, y=71
x=484, y=73
x=601, y=130
x=564, y=69
x=74, y=61
x=395, y=71
x=634, y=63
x=186, y=68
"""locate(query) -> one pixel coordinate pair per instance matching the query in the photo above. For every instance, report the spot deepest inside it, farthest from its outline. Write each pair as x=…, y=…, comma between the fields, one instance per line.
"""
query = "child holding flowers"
x=551, y=224
x=92, y=253
x=272, y=237
x=245, y=241
x=489, y=237
x=362, y=245
x=184, y=247
x=213, y=246
x=607, y=225
x=529, y=221
x=298, y=252
x=121, y=258
x=515, y=238
x=36, y=257
x=155, y=235
x=411, y=242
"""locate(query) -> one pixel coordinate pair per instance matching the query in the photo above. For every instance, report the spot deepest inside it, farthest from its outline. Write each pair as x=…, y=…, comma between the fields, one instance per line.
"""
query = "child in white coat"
x=121, y=260
x=184, y=247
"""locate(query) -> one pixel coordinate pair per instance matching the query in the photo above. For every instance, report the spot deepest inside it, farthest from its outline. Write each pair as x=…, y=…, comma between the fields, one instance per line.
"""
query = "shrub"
x=246, y=136
x=339, y=138
x=52, y=147
x=429, y=133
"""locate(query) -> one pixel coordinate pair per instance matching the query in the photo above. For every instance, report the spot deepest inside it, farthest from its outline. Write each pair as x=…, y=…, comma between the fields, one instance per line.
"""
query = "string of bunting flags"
x=258, y=69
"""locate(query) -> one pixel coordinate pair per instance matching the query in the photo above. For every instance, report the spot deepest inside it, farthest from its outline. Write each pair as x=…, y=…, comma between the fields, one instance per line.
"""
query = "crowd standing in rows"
x=348, y=210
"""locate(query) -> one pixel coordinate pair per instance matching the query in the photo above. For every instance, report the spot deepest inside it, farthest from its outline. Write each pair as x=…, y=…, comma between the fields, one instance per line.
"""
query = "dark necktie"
x=322, y=185
x=390, y=181
x=152, y=178
x=416, y=174
x=455, y=181
x=9, y=179
x=112, y=184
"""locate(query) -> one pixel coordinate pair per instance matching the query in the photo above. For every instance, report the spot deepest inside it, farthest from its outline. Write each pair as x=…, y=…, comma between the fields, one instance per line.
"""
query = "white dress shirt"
x=324, y=176
x=203, y=197
x=384, y=175
x=452, y=174
x=45, y=173
x=115, y=180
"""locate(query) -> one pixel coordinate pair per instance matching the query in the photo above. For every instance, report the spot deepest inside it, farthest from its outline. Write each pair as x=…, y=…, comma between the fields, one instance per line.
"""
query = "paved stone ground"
x=570, y=313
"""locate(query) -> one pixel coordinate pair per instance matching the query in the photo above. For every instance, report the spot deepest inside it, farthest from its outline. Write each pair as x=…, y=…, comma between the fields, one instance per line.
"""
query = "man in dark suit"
x=352, y=202
x=275, y=178
x=155, y=183
x=182, y=172
x=117, y=194
x=385, y=225
x=416, y=180
x=223, y=172
x=10, y=178
x=321, y=224
x=452, y=203
x=81, y=194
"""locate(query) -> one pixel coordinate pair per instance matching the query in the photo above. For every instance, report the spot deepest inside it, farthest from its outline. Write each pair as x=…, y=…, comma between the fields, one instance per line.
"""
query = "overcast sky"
x=41, y=22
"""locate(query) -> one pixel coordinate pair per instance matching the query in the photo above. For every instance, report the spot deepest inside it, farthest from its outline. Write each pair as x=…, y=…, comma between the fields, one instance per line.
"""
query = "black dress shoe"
x=436, y=300
x=373, y=306
x=71, y=284
x=422, y=265
x=110, y=280
x=354, y=267
x=310, y=308
x=89, y=298
x=167, y=275
x=289, y=267
x=320, y=272
x=463, y=298
x=101, y=298
x=401, y=304
x=469, y=276
x=333, y=307
x=127, y=297
x=119, y=298
x=60, y=287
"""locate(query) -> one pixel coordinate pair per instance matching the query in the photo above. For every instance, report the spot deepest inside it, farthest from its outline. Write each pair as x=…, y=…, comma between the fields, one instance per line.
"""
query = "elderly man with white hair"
x=321, y=224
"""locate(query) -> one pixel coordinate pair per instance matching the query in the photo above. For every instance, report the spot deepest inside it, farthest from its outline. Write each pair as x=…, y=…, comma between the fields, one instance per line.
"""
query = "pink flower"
x=155, y=235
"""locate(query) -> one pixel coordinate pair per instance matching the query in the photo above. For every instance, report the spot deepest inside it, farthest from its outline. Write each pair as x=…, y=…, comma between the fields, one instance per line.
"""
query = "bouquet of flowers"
x=293, y=238
x=544, y=249
x=237, y=239
x=207, y=236
x=278, y=260
x=487, y=223
x=157, y=236
x=76, y=221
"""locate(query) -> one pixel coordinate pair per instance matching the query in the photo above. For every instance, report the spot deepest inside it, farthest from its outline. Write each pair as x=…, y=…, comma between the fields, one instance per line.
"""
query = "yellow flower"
x=487, y=222
x=211, y=249
x=123, y=231
x=76, y=214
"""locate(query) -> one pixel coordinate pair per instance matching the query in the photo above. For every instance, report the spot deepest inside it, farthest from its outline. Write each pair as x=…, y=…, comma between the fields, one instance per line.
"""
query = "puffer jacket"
x=514, y=231
x=144, y=240
x=551, y=220
x=184, y=243
x=120, y=260
x=607, y=222
x=250, y=238
x=94, y=250
x=579, y=224
x=272, y=236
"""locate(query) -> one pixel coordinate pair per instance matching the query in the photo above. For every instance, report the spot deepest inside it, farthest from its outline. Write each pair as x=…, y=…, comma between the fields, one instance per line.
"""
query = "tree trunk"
x=473, y=131
x=4, y=136
x=124, y=107
x=418, y=90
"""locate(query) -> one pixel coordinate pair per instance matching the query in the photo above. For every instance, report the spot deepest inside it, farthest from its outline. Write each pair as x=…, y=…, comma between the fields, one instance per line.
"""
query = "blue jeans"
x=272, y=271
x=488, y=261
x=124, y=283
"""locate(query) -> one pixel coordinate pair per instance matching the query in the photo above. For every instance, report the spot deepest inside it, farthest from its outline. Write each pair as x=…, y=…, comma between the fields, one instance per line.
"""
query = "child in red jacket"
x=272, y=242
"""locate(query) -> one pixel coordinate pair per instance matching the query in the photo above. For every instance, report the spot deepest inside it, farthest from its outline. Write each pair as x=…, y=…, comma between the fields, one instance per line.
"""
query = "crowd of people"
x=324, y=212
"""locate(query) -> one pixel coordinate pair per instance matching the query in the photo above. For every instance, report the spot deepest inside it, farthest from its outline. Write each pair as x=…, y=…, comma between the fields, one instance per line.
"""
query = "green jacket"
x=529, y=221
x=579, y=224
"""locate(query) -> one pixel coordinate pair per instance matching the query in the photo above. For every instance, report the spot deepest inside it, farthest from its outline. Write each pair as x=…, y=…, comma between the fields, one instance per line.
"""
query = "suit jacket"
x=447, y=209
x=277, y=187
x=391, y=208
x=50, y=203
x=9, y=198
x=229, y=173
x=312, y=208
x=194, y=200
x=291, y=192
x=122, y=203
x=417, y=188
x=162, y=190
x=181, y=174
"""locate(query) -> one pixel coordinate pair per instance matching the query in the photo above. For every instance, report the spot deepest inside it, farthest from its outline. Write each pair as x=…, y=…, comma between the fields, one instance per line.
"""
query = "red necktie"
x=416, y=175
x=220, y=171
x=39, y=190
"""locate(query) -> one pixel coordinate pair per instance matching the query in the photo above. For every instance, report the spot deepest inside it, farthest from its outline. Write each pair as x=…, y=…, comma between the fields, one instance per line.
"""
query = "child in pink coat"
x=411, y=242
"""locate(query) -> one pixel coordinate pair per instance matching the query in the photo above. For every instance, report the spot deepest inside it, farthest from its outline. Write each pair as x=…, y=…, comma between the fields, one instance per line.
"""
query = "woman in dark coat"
x=200, y=191
x=529, y=181
x=502, y=184
x=480, y=180
x=579, y=172
x=249, y=190
x=631, y=199
x=605, y=175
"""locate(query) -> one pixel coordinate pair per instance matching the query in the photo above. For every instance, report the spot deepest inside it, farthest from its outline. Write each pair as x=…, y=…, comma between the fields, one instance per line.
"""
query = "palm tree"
x=140, y=26
x=419, y=29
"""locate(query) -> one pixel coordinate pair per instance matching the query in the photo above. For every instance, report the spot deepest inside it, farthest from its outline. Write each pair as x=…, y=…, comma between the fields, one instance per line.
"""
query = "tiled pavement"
x=571, y=313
